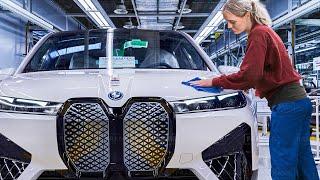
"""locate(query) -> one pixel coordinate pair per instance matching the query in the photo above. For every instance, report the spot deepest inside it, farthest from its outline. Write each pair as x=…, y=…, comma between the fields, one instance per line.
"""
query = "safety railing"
x=263, y=112
x=315, y=145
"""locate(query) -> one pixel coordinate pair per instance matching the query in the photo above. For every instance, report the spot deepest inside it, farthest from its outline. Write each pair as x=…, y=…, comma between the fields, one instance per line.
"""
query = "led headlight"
x=221, y=102
x=10, y=104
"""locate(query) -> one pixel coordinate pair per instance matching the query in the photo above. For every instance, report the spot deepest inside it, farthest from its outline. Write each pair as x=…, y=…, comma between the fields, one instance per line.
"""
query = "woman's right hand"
x=202, y=83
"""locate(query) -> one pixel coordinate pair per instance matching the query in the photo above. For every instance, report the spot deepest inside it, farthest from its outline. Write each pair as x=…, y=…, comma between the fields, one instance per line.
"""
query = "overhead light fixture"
x=15, y=8
x=94, y=10
x=185, y=10
x=129, y=25
x=121, y=9
x=180, y=26
x=211, y=26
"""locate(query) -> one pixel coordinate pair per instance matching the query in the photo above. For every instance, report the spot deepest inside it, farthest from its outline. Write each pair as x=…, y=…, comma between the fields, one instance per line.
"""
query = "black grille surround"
x=230, y=158
x=136, y=139
x=83, y=136
x=13, y=159
x=148, y=149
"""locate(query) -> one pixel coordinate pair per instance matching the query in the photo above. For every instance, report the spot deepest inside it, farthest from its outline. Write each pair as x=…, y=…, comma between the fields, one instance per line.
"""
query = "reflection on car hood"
x=58, y=86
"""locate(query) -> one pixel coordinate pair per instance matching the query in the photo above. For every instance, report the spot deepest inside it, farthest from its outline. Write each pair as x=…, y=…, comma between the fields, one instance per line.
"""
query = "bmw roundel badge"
x=115, y=95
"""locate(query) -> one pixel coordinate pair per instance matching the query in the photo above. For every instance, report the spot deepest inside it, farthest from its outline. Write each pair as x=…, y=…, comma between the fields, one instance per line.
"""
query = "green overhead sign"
x=135, y=43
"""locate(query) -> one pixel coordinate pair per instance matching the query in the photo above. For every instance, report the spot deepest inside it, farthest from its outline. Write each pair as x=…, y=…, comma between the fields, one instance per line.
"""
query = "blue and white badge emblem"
x=115, y=95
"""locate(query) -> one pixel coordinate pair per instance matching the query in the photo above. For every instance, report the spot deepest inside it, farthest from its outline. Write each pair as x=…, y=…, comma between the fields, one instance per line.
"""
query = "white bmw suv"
x=104, y=103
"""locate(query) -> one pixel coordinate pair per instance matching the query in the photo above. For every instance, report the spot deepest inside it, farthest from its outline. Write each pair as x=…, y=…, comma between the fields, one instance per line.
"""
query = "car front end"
x=137, y=122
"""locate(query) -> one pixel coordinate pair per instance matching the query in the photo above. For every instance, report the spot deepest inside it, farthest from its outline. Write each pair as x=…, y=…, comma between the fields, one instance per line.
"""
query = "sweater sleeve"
x=251, y=69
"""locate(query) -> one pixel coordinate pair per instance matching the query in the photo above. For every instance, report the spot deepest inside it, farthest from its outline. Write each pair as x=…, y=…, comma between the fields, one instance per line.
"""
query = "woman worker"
x=267, y=68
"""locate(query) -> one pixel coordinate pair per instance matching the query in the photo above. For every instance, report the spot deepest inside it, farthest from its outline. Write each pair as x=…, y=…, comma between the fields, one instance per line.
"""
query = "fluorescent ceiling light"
x=15, y=8
x=104, y=21
x=216, y=19
x=94, y=10
x=96, y=18
x=91, y=5
x=213, y=24
x=306, y=49
x=204, y=31
x=84, y=5
x=88, y=5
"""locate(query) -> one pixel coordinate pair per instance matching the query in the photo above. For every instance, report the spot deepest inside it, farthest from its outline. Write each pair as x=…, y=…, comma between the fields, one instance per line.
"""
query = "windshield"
x=130, y=49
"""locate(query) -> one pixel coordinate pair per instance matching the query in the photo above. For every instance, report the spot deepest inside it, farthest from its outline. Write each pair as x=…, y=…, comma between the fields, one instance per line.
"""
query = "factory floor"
x=264, y=158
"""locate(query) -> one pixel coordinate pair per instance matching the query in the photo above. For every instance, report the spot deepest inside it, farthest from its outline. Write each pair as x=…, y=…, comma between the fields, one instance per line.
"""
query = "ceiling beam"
x=158, y=6
x=18, y=10
x=189, y=30
x=76, y=14
x=180, y=15
x=308, y=22
x=135, y=12
x=145, y=14
x=315, y=33
x=298, y=12
x=161, y=15
x=4, y=10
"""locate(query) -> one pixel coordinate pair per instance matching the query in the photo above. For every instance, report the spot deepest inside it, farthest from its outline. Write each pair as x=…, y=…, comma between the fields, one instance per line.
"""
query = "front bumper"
x=194, y=133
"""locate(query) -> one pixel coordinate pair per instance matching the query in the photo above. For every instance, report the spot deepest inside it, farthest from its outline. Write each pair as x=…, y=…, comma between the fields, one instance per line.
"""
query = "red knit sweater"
x=265, y=67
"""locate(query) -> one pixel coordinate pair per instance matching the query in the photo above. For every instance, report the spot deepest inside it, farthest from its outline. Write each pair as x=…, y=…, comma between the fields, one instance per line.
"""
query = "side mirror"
x=228, y=69
x=6, y=72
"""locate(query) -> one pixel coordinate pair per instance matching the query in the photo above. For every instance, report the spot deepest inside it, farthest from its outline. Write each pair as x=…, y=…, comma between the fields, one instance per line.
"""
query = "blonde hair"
x=257, y=10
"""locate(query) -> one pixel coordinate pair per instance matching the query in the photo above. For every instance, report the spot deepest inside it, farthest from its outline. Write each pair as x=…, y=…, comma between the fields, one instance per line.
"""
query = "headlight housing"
x=11, y=104
x=212, y=103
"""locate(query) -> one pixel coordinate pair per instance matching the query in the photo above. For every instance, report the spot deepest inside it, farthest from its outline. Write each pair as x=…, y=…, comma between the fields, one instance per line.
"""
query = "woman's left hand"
x=203, y=82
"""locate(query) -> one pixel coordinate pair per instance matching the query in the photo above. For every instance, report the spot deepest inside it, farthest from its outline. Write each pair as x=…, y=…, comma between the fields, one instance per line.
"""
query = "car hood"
x=59, y=86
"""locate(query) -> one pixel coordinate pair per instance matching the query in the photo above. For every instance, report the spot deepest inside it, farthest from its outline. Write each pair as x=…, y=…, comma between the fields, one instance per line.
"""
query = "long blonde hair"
x=257, y=10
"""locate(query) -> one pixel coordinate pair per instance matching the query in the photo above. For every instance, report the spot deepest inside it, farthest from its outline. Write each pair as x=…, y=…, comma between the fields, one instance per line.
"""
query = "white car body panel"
x=96, y=83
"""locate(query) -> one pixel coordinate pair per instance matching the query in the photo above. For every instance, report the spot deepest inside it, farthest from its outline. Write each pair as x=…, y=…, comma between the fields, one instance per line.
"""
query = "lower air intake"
x=230, y=157
x=229, y=167
x=13, y=159
x=11, y=168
